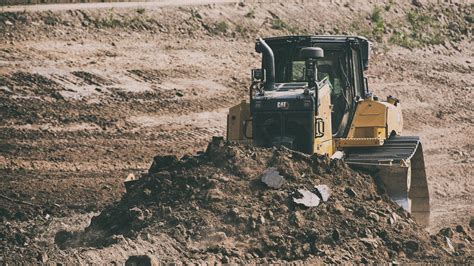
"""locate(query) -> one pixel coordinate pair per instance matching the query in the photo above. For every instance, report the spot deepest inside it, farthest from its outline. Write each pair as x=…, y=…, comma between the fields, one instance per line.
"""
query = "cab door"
x=322, y=121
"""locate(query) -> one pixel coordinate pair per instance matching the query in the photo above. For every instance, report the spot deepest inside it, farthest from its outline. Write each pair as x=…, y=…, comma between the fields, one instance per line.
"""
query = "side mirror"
x=257, y=74
x=311, y=52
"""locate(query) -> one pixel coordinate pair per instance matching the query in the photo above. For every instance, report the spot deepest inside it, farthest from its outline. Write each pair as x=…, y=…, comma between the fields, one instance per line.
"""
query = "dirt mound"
x=217, y=206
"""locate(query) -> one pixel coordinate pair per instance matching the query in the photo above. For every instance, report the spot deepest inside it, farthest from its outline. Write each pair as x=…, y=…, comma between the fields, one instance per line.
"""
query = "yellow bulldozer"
x=311, y=95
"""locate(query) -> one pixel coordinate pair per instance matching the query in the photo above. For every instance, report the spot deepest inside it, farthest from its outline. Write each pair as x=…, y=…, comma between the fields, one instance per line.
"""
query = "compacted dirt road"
x=108, y=5
x=89, y=96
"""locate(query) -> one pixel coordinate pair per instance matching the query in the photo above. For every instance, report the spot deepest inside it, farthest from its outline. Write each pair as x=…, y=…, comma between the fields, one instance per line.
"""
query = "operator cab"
x=345, y=59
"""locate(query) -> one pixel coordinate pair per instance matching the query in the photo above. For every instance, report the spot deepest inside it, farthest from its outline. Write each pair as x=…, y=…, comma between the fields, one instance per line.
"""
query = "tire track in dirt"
x=132, y=4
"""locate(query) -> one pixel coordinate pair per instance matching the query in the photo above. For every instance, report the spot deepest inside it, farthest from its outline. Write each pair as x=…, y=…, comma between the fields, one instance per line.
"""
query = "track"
x=394, y=151
x=399, y=166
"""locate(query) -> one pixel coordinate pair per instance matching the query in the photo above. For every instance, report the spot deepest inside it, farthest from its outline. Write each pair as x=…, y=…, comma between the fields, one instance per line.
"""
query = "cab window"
x=298, y=71
x=357, y=73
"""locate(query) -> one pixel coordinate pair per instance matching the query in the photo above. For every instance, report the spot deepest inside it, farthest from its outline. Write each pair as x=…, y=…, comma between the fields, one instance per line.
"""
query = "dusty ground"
x=90, y=96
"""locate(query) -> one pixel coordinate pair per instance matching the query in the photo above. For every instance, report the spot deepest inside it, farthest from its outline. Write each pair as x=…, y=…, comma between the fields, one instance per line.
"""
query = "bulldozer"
x=311, y=95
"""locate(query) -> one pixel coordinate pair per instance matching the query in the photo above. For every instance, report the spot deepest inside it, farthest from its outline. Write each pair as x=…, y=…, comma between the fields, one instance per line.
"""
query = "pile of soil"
x=216, y=205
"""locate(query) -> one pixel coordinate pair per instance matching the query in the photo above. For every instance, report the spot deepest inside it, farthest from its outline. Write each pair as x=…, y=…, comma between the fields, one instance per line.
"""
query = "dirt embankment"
x=90, y=96
x=226, y=205
x=235, y=204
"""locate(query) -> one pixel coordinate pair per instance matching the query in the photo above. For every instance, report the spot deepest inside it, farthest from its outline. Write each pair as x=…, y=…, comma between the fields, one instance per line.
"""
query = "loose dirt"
x=216, y=207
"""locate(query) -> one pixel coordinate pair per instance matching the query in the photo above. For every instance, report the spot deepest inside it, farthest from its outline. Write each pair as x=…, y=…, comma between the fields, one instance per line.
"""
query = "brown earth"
x=90, y=96
x=216, y=207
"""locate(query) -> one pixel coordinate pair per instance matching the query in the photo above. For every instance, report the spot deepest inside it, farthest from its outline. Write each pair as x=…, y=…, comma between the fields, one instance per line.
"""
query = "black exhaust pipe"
x=268, y=63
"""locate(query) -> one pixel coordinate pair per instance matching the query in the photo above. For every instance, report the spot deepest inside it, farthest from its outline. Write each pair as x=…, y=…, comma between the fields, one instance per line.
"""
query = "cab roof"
x=316, y=38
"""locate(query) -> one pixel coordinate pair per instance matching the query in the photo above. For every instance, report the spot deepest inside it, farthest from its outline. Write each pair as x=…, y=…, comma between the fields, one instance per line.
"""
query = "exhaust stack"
x=268, y=63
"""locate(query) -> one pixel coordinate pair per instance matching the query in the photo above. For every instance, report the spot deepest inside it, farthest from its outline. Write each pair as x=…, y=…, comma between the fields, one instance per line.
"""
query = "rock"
x=136, y=214
x=460, y=229
x=167, y=210
x=449, y=244
x=447, y=232
x=367, y=233
x=306, y=247
x=225, y=260
x=417, y=3
x=393, y=218
x=349, y=191
x=298, y=219
x=6, y=89
x=222, y=178
x=336, y=235
x=116, y=239
x=272, y=178
x=309, y=199
x=61, y=238
x=146, y=237
x=147, y=192
x=338, y=155
x=218, y=237
x=471, y=223
x=371, y=243
x=8, y=22
x=338, y=208
x=461, y=246
x=234, y=212
x=374, y=217
x=215, y=194
x=42, y=257
x=215, y=147
x=142, y=260
x=411, y=246
x=324, y=191
x=360, y=211
x=162, y=162
x=395, y=247
x=270, y=214
x=253, y=224
x=390, y=221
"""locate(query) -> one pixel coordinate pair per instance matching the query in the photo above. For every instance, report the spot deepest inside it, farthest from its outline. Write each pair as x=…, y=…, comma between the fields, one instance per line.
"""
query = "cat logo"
x=282, y=105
